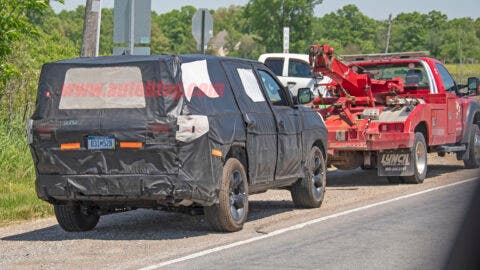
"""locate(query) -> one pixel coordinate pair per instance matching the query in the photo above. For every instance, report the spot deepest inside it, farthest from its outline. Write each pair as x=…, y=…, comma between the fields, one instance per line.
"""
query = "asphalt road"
x=385, y=236
x=414, y=233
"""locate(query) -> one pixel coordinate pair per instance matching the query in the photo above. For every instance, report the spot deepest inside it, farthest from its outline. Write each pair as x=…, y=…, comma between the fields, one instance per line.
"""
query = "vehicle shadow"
x=356, y=178
x=148, y=225
x=437, y=169
x=158, y=225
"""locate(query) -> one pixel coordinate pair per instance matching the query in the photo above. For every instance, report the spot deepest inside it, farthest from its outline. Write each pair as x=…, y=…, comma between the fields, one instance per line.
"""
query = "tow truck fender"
x=473, y=109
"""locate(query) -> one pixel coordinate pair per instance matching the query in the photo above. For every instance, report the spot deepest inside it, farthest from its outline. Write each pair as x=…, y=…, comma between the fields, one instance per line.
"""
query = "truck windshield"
x=413, y=74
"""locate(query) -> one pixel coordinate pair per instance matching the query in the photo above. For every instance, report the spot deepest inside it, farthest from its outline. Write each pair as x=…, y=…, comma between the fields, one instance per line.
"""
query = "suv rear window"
x=275, y=65
x=102, y=88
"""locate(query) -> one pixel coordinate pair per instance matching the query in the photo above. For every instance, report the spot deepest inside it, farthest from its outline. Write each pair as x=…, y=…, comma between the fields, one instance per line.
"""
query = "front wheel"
x=309, y=191
x=473, y=160
x=231, y=212
x=420, y=160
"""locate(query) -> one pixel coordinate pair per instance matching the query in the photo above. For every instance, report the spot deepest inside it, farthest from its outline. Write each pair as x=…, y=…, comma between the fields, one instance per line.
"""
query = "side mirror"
x=304, y=96
x=473, y=86
x=462, y=89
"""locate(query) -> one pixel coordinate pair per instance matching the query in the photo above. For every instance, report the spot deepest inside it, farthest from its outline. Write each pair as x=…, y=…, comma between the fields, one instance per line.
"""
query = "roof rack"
x=379, y=56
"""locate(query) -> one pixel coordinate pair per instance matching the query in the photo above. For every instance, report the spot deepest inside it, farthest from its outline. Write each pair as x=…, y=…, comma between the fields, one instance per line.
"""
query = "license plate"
x=101, y=142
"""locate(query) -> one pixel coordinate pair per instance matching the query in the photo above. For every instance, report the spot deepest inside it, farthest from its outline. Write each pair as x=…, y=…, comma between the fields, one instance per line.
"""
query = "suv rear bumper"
x=122, y=189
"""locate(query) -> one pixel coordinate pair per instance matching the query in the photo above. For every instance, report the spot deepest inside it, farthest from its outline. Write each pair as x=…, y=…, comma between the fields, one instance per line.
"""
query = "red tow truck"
x=388, y=111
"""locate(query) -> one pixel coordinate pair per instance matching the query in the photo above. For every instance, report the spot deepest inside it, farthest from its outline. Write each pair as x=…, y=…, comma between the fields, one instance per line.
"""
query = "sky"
x=378, y=9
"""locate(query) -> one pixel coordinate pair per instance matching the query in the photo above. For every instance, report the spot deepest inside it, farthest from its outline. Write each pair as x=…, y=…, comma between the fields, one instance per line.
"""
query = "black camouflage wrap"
x=165, y=171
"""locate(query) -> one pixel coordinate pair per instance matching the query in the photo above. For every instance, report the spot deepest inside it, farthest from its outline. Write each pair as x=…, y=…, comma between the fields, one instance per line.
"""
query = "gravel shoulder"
x=138, y=238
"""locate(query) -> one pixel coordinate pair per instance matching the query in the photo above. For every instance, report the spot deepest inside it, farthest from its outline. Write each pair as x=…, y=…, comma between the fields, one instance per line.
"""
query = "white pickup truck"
x=294, y=72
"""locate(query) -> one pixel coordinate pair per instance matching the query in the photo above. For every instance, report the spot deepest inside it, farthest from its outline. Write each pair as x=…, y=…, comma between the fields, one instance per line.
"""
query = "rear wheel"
x=394, y=179
x=72, y=219
x=473, y=160
x=420, y=160
x=308, y=192
x=367, y=168
x=231, y=212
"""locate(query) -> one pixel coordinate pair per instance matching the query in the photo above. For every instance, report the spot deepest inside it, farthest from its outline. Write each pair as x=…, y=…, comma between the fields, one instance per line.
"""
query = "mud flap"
x=396, y=163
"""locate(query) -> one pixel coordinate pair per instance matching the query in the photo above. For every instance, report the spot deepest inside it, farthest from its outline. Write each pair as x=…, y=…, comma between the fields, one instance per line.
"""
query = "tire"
x=309, y=192
x=420, y=154
x=231, y=212
x=394, y=179
x=367, y=168
x=473, y=160
x=72, y=219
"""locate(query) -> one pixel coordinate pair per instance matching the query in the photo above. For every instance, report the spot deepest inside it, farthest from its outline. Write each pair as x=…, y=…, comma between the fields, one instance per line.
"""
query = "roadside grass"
x=18, y=200
x=461, y=72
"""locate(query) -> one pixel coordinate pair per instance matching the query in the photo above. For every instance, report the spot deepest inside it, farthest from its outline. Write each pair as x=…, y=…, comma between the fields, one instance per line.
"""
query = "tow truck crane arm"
x=360, y=86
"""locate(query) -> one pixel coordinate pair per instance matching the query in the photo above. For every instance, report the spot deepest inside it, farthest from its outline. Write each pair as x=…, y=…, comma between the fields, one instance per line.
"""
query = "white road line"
x=299, y=226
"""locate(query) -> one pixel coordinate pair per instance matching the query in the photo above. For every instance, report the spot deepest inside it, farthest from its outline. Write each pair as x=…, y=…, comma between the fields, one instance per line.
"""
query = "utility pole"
x=202, y=44
x=132, y=27
x=389, y=32
x=91, y=29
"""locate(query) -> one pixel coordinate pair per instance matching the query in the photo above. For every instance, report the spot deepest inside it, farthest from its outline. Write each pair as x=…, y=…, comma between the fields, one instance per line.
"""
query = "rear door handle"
x=250, y=123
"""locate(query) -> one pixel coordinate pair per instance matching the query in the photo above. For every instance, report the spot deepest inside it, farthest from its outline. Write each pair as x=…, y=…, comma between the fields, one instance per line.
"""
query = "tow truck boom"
x=354, y=84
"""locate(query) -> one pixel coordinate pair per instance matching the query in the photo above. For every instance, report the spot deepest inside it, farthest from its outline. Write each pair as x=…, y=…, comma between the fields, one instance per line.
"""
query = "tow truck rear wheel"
x=420, y=160
x=367, y=168
x=72, y=218
x=394, y=179
x=309, y=191
x=473, y=160
x=231, y=212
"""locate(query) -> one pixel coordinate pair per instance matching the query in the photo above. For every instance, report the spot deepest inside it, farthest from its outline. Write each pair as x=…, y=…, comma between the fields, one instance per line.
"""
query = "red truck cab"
x=388, y=111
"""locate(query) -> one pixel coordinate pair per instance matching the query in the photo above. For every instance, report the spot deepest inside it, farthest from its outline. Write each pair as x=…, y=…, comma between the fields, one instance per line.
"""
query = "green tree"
x=409, y=32
x=106, y=32
x=67, y=24
x=176, y=26
x=266, y=18
x=477, y=27
x=459, y=42
x=14, y=23
x=239, y=43
x=348, y=27
x=436, y=24
x=159, y=43
x=230, y=19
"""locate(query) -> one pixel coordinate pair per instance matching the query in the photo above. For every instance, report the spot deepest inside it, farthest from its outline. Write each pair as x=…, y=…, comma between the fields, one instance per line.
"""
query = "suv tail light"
x=44, y=131
x=391, y=127
x=160, y=128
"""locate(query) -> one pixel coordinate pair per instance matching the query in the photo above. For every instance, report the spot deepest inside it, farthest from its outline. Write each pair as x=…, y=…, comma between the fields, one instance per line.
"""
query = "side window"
x=273, y=89
x=275, y=65
x=447, y=80
x=298, y=69
x=250, y=84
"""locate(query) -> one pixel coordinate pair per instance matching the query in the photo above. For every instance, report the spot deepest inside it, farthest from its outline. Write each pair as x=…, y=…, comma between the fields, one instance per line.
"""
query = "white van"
x=294, y=72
